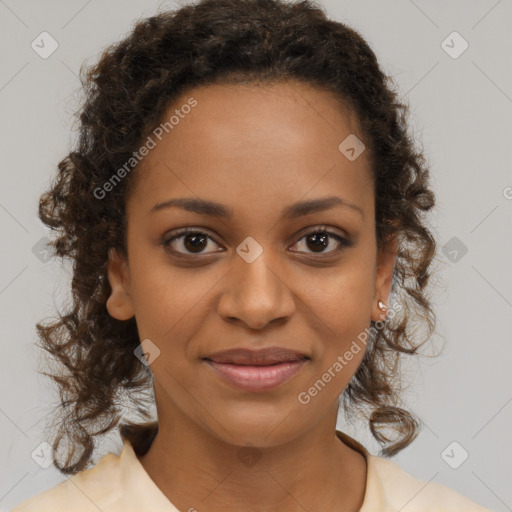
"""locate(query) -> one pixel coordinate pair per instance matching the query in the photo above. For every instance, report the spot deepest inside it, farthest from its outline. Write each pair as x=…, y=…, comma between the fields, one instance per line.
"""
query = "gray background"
x=460, y=110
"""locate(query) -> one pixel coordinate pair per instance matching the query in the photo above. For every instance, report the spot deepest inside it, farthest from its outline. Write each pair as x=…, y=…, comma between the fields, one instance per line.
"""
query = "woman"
x=245, y=212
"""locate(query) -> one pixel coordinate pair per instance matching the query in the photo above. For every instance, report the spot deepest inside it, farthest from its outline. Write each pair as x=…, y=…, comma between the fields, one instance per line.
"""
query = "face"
x=269, y=266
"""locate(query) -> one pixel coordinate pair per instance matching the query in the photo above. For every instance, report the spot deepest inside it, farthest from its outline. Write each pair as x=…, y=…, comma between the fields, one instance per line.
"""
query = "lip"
x=256, y=370
x=263, y=356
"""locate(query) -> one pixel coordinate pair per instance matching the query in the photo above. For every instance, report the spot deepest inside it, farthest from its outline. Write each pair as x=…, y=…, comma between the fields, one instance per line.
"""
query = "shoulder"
x=390, y=484
x=86, y=491
x=389, y=488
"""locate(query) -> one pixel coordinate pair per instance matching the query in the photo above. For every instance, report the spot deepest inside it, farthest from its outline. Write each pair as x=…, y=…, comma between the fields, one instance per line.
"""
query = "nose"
x=256, y=294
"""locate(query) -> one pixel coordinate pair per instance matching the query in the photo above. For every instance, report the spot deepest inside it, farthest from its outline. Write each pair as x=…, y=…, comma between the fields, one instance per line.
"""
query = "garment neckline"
x=128, y=454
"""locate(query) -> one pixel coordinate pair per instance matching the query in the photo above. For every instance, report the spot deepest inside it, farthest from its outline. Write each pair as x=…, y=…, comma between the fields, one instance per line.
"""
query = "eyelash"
x=166, y=241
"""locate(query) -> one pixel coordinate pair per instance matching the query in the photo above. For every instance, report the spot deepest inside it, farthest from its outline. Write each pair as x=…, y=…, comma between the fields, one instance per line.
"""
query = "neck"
x=198, y=471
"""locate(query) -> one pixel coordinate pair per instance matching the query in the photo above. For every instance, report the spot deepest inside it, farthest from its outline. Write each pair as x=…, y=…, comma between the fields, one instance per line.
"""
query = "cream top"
x=121, y=484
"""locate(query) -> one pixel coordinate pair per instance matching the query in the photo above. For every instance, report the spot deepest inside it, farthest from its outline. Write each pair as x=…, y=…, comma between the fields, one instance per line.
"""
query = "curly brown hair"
x=126, y=94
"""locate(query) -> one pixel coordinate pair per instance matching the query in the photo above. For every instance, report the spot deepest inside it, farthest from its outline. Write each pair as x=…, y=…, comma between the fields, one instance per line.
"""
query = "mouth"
x=260, y=370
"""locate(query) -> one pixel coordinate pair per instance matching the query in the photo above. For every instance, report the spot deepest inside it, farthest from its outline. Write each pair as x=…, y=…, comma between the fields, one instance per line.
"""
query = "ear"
x=119, y=304
x=384, y=278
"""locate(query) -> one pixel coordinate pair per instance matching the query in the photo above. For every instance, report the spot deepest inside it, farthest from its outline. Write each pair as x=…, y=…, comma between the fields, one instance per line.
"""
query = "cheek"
x=342, y=297
x=170, y=302
x=345, y=310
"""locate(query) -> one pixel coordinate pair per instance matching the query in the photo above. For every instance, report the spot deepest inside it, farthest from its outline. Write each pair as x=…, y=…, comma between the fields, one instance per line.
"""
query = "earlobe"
x=384, y=279
x=119, y=304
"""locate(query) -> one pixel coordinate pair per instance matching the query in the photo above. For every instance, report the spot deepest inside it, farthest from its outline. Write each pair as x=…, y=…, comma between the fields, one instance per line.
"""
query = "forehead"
x=271, y=142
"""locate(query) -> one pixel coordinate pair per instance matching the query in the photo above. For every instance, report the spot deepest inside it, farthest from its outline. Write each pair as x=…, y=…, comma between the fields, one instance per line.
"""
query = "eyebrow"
x=214, y=209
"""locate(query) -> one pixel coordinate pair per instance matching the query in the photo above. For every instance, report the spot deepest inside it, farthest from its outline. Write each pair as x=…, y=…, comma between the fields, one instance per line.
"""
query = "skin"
x=255, y=150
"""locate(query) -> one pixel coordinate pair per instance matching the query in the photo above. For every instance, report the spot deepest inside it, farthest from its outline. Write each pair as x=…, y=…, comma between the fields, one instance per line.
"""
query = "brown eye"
x=317, y=242
x=320, y=240
x=189, y=241
x=195, y=242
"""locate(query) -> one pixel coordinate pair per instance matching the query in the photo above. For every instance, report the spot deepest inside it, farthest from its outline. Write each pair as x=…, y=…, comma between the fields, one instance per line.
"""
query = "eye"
x=321, y=239
x=192, y=240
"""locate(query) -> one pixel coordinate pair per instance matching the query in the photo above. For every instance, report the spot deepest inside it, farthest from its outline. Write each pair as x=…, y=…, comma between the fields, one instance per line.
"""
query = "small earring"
x=382, y=306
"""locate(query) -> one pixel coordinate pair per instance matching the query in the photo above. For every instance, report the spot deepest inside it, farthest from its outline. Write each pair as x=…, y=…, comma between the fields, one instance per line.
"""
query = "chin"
x=260, y=426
